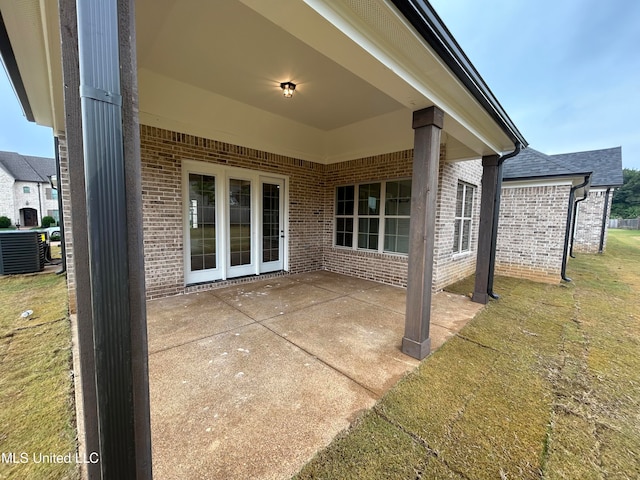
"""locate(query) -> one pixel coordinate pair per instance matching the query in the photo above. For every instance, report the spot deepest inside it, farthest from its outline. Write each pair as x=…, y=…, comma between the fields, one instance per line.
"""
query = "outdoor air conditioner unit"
x=21, y=252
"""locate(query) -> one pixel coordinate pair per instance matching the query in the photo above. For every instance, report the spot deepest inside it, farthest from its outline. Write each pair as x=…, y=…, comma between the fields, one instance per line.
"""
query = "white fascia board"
x=53, y=51
x=542, y=182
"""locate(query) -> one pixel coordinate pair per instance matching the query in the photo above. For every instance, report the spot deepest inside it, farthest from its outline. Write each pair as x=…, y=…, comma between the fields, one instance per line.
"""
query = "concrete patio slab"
x=363, y=343
x=244, y=404
x=249, y=381
x=277, y=296
x=177, y=320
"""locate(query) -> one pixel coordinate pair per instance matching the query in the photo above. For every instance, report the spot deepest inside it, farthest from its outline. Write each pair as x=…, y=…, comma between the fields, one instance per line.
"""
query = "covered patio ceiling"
x=213, y=69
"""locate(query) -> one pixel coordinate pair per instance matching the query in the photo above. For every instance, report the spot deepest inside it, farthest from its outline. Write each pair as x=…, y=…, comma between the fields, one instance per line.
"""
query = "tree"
x=626, y=200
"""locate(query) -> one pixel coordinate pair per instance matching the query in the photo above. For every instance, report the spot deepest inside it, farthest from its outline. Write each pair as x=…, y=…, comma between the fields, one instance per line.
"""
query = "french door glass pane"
x=270, y=222
x=202, y=221
x=240, y=222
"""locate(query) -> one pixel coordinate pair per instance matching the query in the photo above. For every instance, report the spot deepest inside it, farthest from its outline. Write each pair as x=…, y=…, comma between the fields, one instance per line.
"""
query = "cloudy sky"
x=566, y=71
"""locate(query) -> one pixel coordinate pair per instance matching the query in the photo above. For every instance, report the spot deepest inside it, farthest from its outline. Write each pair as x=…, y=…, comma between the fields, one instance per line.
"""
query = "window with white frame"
x=379, y=220
x=464, y=210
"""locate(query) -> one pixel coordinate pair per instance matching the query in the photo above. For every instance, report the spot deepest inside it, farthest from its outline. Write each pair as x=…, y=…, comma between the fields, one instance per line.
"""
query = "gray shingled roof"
x=605, y=165
x=28, y=169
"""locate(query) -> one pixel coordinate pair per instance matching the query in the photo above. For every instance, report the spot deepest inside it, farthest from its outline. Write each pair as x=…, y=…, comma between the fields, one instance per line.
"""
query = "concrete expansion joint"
x=199, y=339
x=324, y=362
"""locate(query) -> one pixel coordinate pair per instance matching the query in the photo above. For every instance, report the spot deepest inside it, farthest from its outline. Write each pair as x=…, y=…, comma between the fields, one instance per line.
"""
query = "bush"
x=48, y=221
x=5, y=222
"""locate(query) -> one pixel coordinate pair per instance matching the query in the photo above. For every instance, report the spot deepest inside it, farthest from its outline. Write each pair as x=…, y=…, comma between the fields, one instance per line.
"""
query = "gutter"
x=572, y=194
x=429, y=25
x=603, y=228
x=13, y=72
x=496, y=217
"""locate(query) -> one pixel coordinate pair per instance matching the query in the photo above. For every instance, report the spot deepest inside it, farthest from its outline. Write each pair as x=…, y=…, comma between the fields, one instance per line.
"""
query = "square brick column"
x=427, y=124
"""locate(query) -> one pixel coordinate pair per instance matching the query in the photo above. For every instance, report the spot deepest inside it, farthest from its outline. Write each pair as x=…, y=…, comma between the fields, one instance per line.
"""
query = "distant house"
x=553, y=205
x=26, y=195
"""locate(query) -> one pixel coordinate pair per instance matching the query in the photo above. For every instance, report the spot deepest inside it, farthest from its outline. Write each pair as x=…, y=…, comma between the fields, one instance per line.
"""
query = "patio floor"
x=250, y=381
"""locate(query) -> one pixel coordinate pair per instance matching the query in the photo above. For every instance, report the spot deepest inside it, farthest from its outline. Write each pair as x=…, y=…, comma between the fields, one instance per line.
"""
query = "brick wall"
x=589, y=222
x=392, y=268
x=531, y=232
x=381, y=267
x=311, y=210
x=162, y=152
x=449, y=267
x=66, y=209
x=7, y=204
x=34, y=199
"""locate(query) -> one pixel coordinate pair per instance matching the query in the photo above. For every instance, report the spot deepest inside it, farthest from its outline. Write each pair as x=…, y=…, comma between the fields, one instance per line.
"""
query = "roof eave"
x=428, y=24
x=13, y=72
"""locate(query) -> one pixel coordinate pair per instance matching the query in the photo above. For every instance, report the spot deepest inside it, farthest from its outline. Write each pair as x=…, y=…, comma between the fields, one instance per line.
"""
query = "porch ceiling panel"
x=214, y=69
x=230, y=50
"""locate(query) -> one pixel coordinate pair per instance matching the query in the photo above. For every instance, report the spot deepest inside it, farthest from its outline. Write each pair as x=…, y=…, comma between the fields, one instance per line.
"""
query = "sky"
x=567, y=72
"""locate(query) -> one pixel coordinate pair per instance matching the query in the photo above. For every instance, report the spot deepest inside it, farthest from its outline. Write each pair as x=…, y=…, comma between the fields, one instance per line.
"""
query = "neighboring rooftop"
x=605, y=166
x=28, y=169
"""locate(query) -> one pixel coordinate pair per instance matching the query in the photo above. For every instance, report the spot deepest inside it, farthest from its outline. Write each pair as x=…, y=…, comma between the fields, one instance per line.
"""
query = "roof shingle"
x=28, y=169
x=605, y=166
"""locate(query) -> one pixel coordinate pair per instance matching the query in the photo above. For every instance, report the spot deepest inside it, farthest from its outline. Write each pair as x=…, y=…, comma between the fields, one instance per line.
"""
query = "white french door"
x=272, y=224
x=234, y=222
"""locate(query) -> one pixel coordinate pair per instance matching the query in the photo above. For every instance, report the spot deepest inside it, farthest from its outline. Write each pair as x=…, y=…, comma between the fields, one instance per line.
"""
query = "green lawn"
x=543, y=383
x=36, y=395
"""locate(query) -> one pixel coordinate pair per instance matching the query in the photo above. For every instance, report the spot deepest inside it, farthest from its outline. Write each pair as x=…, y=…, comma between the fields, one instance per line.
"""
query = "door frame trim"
x=223, y=173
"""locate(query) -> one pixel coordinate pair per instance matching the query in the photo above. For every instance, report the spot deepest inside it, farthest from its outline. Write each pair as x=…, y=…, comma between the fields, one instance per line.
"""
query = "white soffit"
x=398, y=61
x=23, y=21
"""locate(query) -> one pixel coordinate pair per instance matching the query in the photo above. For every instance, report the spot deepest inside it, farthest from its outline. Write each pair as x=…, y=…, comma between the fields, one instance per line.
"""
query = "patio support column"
x=101, y=123
x=491, y=173
x=427, y=124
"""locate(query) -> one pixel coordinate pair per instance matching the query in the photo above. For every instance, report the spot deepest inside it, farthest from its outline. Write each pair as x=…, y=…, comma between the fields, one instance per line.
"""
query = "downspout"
x=496, y=216
x=575, y=220
x=603, y=228
x=40, y=205
x=567, y=234
x=60, y=212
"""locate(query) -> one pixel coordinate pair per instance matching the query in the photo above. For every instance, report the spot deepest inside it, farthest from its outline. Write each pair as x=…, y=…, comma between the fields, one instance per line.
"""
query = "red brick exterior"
x=311, y=210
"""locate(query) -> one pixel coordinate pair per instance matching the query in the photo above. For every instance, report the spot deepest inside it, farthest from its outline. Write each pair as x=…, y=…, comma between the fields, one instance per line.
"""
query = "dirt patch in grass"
x=37, y=411
x=541, y=384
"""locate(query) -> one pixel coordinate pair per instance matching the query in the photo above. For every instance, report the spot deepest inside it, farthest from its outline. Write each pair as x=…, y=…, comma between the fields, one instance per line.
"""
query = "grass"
x=543, y=383
x=36, y=402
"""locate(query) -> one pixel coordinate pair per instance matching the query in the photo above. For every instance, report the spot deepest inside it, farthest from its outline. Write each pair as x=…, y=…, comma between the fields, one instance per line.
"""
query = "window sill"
x=461, y=255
